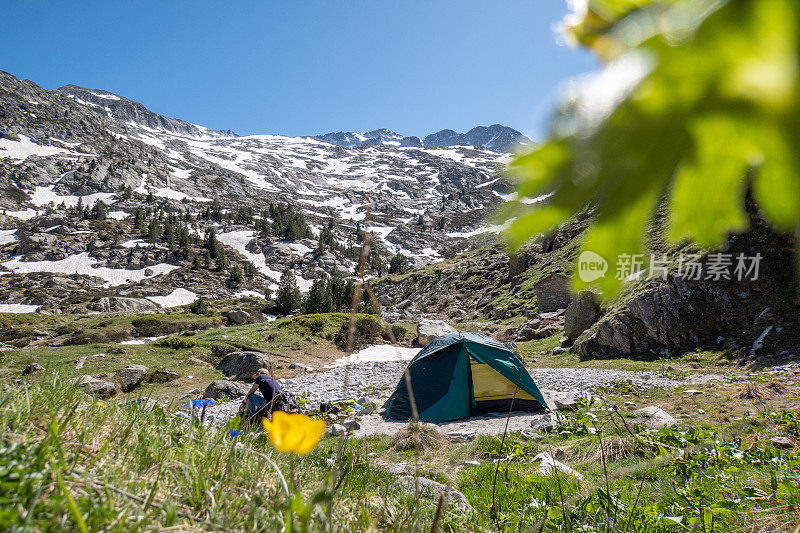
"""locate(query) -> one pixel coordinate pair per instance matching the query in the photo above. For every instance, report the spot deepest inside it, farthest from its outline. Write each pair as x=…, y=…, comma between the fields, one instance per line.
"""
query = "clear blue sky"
x=300, y=67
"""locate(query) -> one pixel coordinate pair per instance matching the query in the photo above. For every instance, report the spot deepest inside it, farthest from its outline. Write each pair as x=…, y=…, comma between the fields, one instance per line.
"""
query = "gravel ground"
x=376, y=381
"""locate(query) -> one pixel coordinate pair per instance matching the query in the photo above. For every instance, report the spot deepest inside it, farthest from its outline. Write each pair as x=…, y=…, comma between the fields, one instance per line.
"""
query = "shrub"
x=177, y=343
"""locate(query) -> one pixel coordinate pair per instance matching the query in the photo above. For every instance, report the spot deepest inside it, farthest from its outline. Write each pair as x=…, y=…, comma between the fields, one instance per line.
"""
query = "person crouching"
x=254, y=406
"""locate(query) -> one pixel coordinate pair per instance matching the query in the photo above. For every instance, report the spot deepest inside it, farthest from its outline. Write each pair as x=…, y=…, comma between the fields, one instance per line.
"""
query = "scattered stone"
x=367, y=410
x=352, y=425
x=630, y=404
x=94, y=386
x=225, y=389
x=301, y=366
x=549, y=465
x=461, y=436
x=338, y=429
x=470, y=464
x=782, y=442
x=558, y=350
x=654, y=417
x=31, y=368
x=242, y=365
x=693, y=392
x=544, y=422
x=131, y=376
x=431, y=489
x=80, y=363
x=701, y=411
x=163, y=376
x=427, y=330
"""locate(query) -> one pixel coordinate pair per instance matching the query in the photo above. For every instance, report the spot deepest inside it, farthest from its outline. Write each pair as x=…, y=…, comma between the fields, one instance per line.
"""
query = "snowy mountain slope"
x=72, y=147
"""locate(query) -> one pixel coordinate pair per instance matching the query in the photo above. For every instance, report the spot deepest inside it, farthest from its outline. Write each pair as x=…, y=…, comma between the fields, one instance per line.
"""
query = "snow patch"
x=378, y=353
x=178, y=297
x=18, y=308
x=7, y=236
x=84, y=264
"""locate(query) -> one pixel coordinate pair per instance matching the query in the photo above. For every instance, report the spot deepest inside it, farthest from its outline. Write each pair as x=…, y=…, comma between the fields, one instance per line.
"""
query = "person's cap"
x=260, y=371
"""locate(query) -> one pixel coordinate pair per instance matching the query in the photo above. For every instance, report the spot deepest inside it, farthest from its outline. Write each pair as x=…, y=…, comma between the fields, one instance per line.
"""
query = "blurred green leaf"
x=698, y=98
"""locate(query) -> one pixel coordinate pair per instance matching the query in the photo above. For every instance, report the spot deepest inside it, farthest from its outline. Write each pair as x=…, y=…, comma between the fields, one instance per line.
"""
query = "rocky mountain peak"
x=121, y=108
x=496, y=137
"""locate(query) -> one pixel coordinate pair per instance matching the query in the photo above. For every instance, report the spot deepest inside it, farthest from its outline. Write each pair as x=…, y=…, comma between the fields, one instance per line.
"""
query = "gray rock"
x=301, y=366
x=338, y=430
x=367, y=410
x=470, y=464
x=581, y=313
x=558, y=350
x=654, y=417
x=428, y=488
x=94, y=386
x=782, y=442
x=163, y=376
x=242, y=365
x=352, y=425
x=131, y=376
x=427, y=330
x=237, y=316
x=543, y=422
x=225, y=389
x=31, y=368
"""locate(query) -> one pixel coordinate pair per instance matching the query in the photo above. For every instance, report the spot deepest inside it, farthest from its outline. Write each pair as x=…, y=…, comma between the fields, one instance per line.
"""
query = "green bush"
x=177, y=343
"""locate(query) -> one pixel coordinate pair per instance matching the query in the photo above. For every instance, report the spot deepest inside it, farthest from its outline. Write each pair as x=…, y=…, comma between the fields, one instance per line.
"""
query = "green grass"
x=68, y=460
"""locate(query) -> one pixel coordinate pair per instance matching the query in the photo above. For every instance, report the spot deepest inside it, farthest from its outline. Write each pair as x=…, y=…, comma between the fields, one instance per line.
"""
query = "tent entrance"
x=494, y=392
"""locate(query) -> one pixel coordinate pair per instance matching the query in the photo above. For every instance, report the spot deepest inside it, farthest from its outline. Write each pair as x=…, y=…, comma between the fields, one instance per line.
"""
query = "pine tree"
x=153, y=232
x=319, y=298
x=236, y=275
x=211, y=243
x=288, y=298
x=138, y=219
x=398, y=264
x=195, y=262
x=100, y=211
x=222, y=260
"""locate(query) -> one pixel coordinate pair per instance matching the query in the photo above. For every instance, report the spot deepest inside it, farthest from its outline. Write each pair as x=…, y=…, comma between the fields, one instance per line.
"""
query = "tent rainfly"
x=459, y=375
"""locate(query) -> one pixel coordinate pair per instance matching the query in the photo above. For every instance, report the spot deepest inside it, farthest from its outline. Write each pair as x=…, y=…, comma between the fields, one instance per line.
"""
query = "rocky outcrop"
x=117, y=304
x=242, y=365
x=581, y=314
x=553, y=293
x=666, y=315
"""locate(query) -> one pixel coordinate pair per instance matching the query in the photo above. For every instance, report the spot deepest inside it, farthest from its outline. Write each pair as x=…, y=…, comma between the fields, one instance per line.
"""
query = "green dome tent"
x=463, y=374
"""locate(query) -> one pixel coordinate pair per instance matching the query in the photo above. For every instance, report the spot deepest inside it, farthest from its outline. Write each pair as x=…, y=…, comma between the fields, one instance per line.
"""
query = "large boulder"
x=131, y=376
x=581, y=313
x=553, y=293
x=427, y=330
x=237, y=316
x=223, y=388
x=242, y=365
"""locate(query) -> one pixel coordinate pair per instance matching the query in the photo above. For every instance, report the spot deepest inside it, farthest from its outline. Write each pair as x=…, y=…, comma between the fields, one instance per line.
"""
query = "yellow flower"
x=101, y=404
x=293, y=432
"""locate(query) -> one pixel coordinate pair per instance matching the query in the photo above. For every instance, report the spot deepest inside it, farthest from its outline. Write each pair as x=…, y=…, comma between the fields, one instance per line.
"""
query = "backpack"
x=286, y=401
